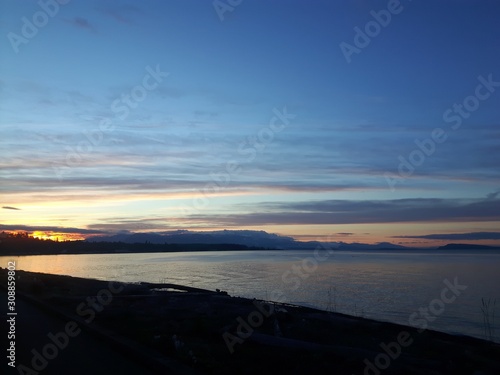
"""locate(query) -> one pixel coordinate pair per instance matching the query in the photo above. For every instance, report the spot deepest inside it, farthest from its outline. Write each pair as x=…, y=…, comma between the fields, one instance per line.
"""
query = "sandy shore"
x=210, y=332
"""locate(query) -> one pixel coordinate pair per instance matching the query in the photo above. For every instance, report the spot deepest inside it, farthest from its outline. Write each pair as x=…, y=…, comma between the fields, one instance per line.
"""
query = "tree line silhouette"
x=22, y=243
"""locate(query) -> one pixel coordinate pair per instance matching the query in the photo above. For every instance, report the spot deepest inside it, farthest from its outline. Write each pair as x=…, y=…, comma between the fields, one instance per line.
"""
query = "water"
x=389, y=286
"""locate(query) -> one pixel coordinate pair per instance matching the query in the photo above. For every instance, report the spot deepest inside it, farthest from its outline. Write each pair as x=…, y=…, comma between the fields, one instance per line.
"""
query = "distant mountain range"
x=465, y=246
x=184, y=240
x=238, y=237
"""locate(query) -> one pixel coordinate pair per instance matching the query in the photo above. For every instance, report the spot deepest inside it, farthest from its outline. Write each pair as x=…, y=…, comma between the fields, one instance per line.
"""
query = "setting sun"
x=54, y=236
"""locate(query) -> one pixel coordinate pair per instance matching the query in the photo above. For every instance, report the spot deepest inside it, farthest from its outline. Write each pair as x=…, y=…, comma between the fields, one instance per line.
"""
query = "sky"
x=356, y=121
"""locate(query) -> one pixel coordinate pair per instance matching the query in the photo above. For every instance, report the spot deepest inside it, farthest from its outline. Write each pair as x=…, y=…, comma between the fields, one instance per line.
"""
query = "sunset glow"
x=57, y=236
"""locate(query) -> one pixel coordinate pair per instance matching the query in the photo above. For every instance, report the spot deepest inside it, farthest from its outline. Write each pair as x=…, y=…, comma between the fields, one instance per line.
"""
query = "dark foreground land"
x=169, y=329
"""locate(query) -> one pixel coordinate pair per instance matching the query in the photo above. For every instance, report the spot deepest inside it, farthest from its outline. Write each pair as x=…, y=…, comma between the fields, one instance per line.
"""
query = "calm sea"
x=401, y=287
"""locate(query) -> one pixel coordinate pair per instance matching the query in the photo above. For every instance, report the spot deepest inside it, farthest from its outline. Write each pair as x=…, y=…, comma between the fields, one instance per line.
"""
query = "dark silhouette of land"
x=23, y=244
x=464, y=246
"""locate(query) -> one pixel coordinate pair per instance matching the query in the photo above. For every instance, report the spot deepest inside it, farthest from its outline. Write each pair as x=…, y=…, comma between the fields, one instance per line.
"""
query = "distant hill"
x=241, y=237
x=465, y=246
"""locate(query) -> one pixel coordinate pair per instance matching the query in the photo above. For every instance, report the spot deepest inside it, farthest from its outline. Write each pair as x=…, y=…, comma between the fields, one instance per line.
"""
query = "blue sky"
x=161, y=115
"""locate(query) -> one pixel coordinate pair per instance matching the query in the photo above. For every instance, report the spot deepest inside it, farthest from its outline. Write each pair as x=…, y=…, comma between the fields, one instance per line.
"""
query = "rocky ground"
x=211, y=332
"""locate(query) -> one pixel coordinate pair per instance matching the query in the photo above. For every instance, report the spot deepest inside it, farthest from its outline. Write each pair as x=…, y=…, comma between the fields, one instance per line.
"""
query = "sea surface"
x=406, y=287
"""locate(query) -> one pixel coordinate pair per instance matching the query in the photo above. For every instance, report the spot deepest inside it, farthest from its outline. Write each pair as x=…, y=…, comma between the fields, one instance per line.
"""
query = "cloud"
x=493, y=195
x=458, y=236
x=127, y=224
x=10, y=208
x=203, y=113
x=122, y=13
x=170, y=92
x=81, y=23
x=30, y=228
x=360, y=212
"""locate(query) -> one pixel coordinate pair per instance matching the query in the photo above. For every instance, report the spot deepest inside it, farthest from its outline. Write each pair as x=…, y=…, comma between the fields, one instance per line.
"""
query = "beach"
x=183, y=328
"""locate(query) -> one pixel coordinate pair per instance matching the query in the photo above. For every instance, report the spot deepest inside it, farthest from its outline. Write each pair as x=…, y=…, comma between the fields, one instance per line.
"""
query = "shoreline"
x=212, y=332
x=21, y=244
x=217, y=248
x=121, y=252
